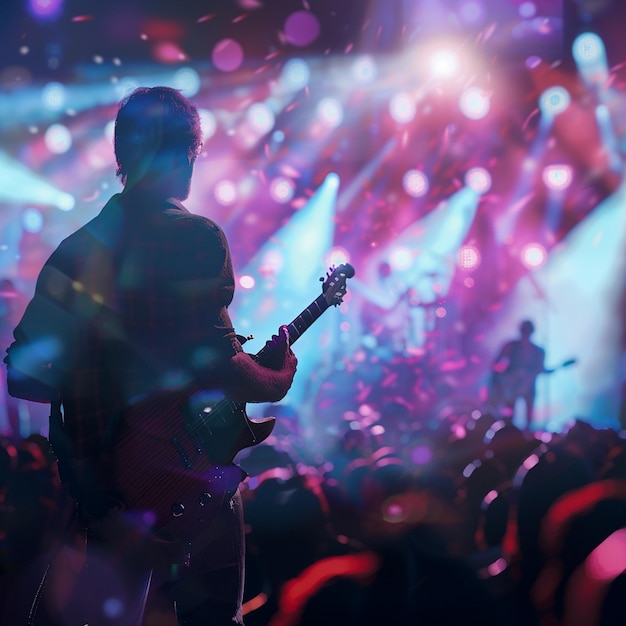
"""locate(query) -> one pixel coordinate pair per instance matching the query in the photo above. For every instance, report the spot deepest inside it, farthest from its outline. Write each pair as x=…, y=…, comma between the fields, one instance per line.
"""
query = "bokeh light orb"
x=45, y=9
x=527, y=10
x=478, y=179
x=282, y=189
x=472, y=11
x=402, y=108
x=468, y=257
x=364, y=70
x=474, y=103
x=208, y=123
x=557, y=177
x=54, y=96
x=58, y=138
x=272, y=262
x=330, y=112
x=296, y=74
x=187, y=80
x=260, y=117
x=587, y=49
x=533, y=255
x=247, y=282
x=226, y=192
x=227, y=55
x=400, y=258
x=65, y=201
x=126, y=86
x=337, y=256
x=415, y=183
x=302, y=28
x=32, y=220
x=554, y=100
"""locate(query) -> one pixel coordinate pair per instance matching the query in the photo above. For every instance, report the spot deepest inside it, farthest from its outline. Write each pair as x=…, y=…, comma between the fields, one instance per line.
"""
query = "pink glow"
x=302, y=28
x=227, y=55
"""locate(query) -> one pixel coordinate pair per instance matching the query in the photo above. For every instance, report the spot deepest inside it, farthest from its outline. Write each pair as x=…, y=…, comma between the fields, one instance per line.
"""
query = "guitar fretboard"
x=304, y=320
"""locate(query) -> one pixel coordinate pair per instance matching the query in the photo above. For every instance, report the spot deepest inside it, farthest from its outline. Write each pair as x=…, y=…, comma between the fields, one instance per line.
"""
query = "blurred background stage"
x=465, y=156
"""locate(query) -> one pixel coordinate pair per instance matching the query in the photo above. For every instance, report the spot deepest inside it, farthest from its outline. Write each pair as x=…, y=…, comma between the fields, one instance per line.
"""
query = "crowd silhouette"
x=470, y=522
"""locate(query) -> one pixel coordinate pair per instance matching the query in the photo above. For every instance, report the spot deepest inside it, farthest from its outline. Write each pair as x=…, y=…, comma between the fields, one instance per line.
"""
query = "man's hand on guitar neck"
x=252, y=381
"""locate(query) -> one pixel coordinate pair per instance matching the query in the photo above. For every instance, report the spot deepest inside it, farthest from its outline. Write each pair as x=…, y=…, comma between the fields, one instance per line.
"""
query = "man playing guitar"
x=130, y=313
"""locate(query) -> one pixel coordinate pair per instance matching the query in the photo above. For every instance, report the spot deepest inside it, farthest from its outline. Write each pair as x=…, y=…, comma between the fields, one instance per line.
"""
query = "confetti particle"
x=82, y=18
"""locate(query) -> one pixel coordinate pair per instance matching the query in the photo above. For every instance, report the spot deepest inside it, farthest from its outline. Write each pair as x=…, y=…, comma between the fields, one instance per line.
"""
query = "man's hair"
x=527, y=327
x=152, y=121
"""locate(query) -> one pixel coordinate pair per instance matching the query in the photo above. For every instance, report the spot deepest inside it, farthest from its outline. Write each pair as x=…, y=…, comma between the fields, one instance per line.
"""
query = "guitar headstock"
x=334, y=287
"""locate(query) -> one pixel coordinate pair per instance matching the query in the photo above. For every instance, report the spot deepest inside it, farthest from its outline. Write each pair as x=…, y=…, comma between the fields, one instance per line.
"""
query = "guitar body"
x=175, y=467
x=173, y=453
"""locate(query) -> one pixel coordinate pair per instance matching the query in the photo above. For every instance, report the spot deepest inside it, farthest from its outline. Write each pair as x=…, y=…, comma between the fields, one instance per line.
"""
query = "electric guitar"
x=506, y=386
x=172, y=458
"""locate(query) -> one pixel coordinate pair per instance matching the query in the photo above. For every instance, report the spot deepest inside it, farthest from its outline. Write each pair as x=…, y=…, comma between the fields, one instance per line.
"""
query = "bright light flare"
x=187, y=80
x=468, y=258
x=337, y=256
x=364, y=70
x=208, y=123
x=533, y=255
x=474, y=103
x=444, y=63
x=401, y=258
x=554, y=100
x=557, y=177
x=282, y=189
x=296, y=74
x=58, y=139
x=54, y=96
x=415, y=183
x=478, y=179
x=260, y=117
x=402, y=108
x=330, y=112
x=247, y=282
x=226, y=192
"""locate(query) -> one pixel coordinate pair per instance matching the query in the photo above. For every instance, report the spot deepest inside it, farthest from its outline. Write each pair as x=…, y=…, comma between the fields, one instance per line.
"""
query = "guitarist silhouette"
x=514, y=374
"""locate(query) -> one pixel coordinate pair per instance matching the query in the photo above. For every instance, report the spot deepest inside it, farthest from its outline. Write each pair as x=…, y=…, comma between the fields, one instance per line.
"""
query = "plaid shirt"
x=133, y=302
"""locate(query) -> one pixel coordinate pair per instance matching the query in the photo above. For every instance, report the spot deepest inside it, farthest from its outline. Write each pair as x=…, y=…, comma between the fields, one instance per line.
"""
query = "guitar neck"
x=304, y=321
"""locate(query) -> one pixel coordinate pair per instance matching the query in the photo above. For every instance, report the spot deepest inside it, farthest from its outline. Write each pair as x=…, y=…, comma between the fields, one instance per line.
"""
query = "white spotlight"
x=58, y=139
x=557, y=177
x=402, y=108
x=444, y=63
x=330, y=112
x=364, y=70
x=533, y=255
x=415, y=183
x=226, y=192
x=474, y=103
x=282, y=189
x=478, y=179
x=296, y=74
x=260, y=117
